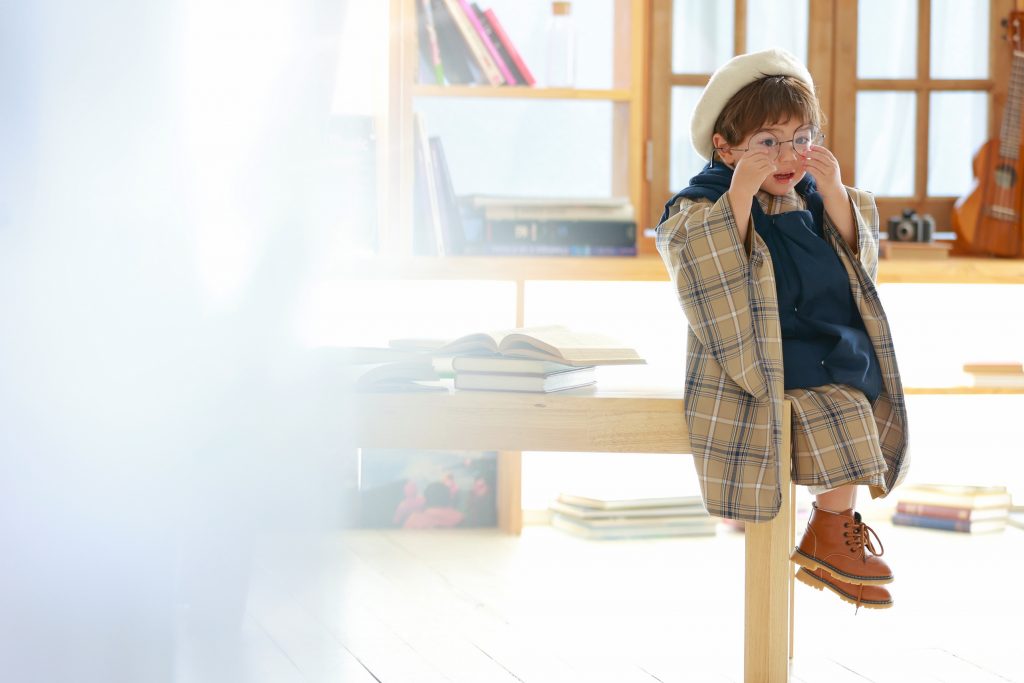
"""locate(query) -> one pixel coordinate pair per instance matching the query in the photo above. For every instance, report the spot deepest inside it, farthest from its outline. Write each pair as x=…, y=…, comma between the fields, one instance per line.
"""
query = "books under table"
x=968, y=509
x=624, y=516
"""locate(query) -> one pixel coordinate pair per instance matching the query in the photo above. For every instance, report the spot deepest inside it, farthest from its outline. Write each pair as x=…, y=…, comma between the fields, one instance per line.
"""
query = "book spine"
x=567, y=232
x=487, y=249
x=509, y=47
x=933, y=511
x=900, y=519
x=435, y=48
x=460, y=67
x=513, y=77
x=476, y=46
x=474, y=20
x=452, y=222
x=431, y=185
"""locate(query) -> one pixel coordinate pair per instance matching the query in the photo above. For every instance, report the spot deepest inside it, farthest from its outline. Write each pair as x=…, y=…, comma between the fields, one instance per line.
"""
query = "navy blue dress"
x=823, y=336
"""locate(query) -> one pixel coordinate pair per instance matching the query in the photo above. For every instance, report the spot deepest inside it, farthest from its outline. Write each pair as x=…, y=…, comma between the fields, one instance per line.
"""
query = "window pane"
x=964, y=24
x=568, y=143
x=887, y=39
x=779, y=23
x=685, y=162
x=702, y=35
x=957, y=128
x=885, y=142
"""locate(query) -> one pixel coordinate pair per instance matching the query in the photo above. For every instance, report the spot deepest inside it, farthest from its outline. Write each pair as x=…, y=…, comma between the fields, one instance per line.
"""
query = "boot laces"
x=860, y=537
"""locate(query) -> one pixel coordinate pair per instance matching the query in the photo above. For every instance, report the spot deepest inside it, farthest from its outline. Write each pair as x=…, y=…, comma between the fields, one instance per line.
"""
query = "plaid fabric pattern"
x=835, y=440
x=733, y=395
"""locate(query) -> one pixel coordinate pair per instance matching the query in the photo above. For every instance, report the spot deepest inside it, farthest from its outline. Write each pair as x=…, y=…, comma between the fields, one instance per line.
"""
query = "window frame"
x=832, y=61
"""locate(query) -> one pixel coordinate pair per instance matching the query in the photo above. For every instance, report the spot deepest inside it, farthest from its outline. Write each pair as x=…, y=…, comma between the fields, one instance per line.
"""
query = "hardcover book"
x=962, y=525
x=542, y=382
x=549, y=342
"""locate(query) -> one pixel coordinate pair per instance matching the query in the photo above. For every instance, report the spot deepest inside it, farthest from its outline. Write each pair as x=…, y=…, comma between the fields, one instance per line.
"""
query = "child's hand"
x=825, y=168
x=750, y=172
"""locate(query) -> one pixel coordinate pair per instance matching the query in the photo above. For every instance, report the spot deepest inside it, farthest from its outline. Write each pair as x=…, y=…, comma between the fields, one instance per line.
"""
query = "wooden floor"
x=478, y=606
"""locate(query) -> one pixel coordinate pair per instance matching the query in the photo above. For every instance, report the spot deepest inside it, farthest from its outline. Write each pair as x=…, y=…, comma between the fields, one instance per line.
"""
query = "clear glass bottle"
x=561, y=64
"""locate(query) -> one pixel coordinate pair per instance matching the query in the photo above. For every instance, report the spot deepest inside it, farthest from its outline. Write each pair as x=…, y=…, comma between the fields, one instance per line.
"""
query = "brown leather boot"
x=872, y=597
x=838, y=543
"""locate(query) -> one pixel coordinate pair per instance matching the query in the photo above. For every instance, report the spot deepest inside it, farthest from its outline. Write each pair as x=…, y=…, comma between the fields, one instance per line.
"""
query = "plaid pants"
x=835, y=440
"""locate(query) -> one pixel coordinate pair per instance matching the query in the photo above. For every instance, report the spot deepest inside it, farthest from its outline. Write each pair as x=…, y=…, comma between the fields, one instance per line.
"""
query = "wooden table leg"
x=768, y=584
x=510, y=494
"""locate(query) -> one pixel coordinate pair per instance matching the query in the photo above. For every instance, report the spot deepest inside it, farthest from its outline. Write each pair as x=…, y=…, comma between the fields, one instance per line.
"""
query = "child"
x=774, y=260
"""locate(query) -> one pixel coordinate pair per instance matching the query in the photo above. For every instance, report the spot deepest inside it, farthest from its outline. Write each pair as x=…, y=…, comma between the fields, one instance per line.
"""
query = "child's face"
x=790, y=165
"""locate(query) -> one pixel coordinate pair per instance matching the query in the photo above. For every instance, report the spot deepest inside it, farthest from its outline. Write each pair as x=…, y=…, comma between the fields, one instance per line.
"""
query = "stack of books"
x=967, y=509
x=462, y=44
x=597, y=516
x=539, y=359
x=996, y=374
x=548, y=226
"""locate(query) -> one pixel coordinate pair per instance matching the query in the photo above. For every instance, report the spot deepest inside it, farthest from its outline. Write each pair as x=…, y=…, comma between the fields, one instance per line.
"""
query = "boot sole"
x=804, y=560
x=806, y=577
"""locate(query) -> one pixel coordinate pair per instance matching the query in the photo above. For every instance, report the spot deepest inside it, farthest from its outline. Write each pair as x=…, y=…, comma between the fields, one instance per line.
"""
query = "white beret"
x=728, y=80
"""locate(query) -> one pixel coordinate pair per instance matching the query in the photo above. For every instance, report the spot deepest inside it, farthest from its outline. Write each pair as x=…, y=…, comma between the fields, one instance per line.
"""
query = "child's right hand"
x=751, y=171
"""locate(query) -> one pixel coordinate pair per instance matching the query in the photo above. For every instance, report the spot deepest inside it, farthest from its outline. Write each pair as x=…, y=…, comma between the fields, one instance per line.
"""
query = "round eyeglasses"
x=766, y=142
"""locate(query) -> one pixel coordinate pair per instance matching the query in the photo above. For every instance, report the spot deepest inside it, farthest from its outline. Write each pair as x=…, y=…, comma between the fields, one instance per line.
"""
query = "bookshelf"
x=628, y=98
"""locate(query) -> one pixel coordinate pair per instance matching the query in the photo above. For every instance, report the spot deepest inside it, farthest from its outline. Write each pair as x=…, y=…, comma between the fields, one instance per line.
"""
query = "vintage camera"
x=911, y=227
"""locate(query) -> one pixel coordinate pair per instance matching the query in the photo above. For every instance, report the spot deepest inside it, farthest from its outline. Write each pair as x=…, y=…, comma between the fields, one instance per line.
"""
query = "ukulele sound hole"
x=1005, y=176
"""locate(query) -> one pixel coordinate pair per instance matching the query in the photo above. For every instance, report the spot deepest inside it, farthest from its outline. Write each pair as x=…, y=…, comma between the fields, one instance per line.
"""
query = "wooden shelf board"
x=521, y=92
x=953, y=270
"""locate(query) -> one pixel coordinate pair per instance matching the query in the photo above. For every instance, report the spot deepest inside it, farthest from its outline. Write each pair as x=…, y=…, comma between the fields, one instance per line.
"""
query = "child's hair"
x=773, y=99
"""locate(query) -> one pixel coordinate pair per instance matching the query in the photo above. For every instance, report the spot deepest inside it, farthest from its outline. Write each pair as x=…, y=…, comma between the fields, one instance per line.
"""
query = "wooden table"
x=615, y=418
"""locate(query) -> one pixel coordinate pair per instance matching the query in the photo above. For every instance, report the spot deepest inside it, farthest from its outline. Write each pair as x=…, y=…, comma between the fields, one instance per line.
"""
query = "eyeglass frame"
x=820, y=138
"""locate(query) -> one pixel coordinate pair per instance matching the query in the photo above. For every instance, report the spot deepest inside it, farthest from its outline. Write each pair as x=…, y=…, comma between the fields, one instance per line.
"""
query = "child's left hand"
x=820, y=163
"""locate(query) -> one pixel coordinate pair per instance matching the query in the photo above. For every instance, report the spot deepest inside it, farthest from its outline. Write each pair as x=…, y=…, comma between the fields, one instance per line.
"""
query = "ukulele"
x=987, y=220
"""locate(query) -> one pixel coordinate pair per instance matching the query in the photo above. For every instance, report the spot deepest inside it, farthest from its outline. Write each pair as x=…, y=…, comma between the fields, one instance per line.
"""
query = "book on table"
x=549, y=342
x=559, y=380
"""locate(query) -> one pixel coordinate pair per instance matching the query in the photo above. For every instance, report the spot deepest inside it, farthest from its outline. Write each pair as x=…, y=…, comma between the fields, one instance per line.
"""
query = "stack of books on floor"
x=1001, y=374
x=535, y=359
x=607, y=516
x=966, y=509
x=548, y=226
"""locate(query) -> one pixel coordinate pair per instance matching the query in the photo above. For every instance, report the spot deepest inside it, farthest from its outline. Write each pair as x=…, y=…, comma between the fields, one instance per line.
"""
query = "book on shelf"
x=537, y=382
x=429, y=43
x=476, y=46
x=953, y=495
x=429, y=236
x=456, y=61
x=485, y=38
x=561, y=232
x=514, y=76
x=548, y=342
x=961, y=525
x=525, y=76
x=950, y=512
x=451, y=219
x=596, y=531
x=534, y=249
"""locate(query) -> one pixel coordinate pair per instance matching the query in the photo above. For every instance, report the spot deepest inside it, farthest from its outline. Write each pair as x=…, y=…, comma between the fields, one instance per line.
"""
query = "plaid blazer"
x=734, y=380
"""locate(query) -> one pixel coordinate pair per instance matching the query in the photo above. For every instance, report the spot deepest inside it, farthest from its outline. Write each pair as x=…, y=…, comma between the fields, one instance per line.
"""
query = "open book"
x=551, y=342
